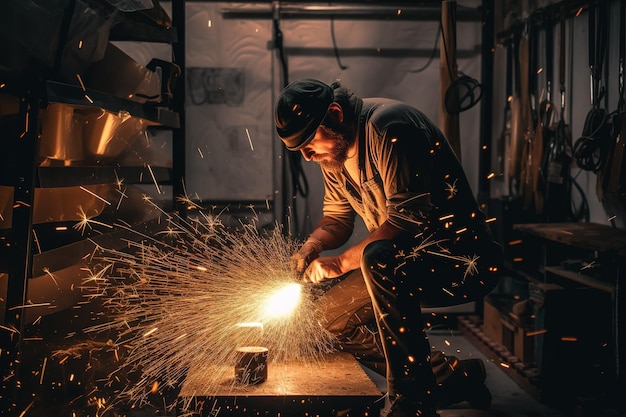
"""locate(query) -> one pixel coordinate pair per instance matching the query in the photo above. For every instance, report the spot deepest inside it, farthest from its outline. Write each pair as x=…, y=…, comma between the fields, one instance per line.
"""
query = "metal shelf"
x=91, y=175
x=581, y=278
x=58, y=92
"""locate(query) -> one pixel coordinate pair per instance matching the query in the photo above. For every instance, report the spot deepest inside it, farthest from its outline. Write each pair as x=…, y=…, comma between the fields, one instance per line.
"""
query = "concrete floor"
x=509, y=399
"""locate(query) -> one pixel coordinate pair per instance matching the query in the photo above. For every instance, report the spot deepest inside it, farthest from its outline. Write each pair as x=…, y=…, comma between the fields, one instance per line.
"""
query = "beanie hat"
x=299, y=111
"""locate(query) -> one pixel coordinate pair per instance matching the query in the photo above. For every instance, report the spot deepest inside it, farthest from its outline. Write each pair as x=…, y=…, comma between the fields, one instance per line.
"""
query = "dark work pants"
x=401, y=279
x=388, y=292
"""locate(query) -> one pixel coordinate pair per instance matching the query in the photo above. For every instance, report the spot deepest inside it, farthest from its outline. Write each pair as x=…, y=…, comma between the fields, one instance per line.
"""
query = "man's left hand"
x=326, y=267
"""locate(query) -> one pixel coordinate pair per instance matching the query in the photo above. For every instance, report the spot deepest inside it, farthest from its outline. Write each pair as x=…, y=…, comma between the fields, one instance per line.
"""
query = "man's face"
x=328, y=148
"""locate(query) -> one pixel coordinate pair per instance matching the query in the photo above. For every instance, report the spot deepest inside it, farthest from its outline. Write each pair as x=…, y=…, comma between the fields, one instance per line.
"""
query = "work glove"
x=309, y=251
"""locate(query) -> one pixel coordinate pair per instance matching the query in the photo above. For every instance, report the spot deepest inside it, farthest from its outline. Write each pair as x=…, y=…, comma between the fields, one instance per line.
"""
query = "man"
x=428, y=245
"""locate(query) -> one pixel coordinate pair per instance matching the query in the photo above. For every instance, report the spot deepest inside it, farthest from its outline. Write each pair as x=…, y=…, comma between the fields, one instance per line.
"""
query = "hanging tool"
x=557, y=159
x=615, y=187
x=528, y=64
x=546, y=120
x=504, y=142
x=590, y=150
x=517, y=127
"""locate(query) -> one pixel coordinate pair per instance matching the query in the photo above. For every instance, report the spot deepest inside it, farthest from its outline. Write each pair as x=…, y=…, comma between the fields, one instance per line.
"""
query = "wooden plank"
x=591, y=236
x=329, y=386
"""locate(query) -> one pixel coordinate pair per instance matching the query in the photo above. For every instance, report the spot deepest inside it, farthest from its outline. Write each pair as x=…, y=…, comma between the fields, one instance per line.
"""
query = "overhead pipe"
x=448, y=123
x=397, y=11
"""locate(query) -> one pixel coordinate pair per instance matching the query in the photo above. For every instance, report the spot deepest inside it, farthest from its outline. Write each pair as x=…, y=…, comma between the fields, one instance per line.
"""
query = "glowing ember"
x=283, y=302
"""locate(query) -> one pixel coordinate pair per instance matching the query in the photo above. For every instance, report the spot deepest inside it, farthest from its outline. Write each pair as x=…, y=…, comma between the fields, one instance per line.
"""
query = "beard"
x=334, y=160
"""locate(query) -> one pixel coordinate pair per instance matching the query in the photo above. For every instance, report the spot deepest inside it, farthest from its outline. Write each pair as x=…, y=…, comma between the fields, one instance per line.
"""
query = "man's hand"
x=323, y=268
x=309, y=251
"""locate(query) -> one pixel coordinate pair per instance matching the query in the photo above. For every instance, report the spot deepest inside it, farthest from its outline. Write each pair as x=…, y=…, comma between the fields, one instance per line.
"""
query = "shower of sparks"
x=176, y=300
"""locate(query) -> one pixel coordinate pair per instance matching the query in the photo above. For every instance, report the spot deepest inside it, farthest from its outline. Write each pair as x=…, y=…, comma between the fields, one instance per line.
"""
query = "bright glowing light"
x=283, y=302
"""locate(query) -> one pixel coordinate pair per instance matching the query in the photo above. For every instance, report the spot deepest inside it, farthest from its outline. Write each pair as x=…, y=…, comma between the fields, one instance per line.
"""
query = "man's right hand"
x=309, y=251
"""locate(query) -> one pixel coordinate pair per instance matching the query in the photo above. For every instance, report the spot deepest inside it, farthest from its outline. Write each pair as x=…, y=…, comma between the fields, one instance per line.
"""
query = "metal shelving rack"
x=17, y=262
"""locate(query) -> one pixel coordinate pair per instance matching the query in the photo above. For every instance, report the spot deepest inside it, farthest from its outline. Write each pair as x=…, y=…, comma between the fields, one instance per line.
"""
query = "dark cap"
x=300, y=109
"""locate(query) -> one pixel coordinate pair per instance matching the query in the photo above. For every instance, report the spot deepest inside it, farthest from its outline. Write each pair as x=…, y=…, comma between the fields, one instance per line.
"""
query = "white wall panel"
x=229, y=106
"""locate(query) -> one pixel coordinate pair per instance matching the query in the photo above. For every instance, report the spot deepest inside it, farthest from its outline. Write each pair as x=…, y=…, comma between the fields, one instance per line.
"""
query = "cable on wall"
x=292, y=161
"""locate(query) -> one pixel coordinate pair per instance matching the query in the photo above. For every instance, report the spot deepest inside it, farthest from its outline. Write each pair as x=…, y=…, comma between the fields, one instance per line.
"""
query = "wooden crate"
x=510, y=333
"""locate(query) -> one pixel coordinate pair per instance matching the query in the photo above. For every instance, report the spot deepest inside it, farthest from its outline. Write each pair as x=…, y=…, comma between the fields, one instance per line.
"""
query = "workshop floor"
x=509, y=399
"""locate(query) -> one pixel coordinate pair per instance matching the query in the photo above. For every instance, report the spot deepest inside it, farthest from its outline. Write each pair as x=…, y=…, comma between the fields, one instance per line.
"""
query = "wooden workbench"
x=591, y=236
x=334, y=386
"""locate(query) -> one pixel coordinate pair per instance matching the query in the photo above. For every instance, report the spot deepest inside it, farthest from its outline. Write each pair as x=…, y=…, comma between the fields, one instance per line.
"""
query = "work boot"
x=465, y=381
x=404, y=406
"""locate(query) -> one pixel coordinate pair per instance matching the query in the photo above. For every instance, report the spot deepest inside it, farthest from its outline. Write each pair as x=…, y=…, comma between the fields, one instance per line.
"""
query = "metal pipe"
x=486, y=107
x=178, y=105
x=347, y=11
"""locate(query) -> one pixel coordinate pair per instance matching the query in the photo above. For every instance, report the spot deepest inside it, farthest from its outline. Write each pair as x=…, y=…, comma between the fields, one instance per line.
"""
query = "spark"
x=23, y=413
x=200, y=152
x=249, y=139
x=174, y=299
x=36, y=239
x=51, y=275
x=86, y=222
x=9, y=329
x=118, y=181
x=29, y=305
x=422, y=246
x=43, y=370
x=95, y=195
x=80, y=80
x=451, y=188
x=156, y=184
x=590, y=265
x=122, y=196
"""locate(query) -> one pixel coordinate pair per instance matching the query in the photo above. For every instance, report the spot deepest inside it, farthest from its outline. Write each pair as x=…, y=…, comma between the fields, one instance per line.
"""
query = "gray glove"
x=309, y=251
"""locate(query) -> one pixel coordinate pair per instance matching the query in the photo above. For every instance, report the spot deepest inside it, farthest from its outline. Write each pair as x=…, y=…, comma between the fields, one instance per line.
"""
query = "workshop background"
x=112, y=110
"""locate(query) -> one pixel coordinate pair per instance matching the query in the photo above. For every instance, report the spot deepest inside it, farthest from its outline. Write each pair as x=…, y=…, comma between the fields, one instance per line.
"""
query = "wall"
x=373, y=58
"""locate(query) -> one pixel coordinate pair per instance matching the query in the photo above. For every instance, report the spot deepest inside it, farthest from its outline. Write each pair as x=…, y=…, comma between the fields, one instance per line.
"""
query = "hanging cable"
x=463, y=92
x=292, y=161
x=591, y=149
x=432, y=54
x=335, y=48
